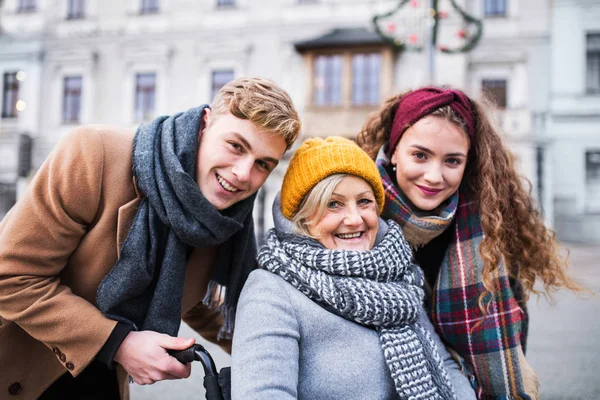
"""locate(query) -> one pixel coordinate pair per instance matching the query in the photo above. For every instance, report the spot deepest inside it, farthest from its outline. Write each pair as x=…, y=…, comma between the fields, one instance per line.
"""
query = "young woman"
x=336, y=312
x=451, y=185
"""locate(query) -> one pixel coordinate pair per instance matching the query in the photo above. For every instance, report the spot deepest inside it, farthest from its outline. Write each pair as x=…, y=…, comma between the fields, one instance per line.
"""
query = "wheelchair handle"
x=197, y=352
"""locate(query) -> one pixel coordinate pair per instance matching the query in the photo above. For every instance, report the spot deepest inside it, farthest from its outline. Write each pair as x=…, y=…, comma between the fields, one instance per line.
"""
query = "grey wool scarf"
x=145, y=286
x=379, y=288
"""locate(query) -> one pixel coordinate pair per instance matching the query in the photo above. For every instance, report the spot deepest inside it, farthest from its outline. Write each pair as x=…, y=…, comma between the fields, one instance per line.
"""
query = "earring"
x=394, y=168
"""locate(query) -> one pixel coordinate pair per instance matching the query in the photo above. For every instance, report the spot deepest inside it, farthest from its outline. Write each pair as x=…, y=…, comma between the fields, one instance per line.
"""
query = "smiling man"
x=236, y=159
x=121, y=235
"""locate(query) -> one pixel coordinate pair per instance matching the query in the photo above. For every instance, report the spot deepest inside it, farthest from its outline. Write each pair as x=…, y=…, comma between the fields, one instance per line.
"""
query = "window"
x=363, y=81
x=225, y=3
x=26, y=6
x=592, y=180
x=149, y=7
x=145, y=93
x=496, y=89
x=76, y=9
x=495, y=8
x=72, y=99
x=593, y=63
x=219, y=79
x=327, y=80
x=10, y=95
x=366, y=68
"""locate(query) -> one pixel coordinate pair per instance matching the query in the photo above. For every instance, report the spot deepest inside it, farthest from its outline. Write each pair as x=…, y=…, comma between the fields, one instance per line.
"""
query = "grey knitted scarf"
x=145, y=286
x=379, y=288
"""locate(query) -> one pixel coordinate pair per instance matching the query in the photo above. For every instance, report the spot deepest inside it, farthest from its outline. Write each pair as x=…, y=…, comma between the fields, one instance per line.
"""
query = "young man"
x=122, y=235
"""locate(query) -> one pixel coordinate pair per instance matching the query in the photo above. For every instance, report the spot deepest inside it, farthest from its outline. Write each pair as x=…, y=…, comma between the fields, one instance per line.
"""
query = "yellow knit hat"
x=316, y=159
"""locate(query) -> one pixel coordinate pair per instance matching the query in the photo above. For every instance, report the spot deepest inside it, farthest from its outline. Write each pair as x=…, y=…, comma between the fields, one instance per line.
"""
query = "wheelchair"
x=217, y=385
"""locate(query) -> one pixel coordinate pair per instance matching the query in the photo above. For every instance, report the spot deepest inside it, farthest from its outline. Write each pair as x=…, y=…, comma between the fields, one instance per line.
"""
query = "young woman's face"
x=351, y=220
x=430, y=161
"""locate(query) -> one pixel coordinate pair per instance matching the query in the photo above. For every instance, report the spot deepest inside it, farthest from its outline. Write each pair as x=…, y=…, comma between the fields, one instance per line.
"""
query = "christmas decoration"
x=402, y=40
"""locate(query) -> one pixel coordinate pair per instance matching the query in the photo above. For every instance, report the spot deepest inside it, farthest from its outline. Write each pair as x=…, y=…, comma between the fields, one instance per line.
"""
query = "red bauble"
x=412, y=39
x=391, y=27
x=461, y=33
x=414, y=3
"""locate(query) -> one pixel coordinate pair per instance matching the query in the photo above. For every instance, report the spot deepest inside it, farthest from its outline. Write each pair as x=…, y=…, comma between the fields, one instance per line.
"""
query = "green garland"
x=473, y=40
x=400, y=46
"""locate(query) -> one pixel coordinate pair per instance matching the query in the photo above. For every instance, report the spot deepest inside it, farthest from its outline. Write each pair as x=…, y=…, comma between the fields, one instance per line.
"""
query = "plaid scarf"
x=490, y=343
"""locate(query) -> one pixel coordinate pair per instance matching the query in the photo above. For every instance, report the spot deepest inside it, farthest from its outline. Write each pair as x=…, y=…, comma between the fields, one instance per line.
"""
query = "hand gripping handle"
x=184, y=356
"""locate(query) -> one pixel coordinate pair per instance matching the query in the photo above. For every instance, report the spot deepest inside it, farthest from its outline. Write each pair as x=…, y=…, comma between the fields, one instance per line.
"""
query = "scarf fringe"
x=214, y=299
x=226, y=331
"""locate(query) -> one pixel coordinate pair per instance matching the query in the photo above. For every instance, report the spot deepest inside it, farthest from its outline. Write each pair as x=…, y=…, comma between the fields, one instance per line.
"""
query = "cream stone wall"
x=187, y=40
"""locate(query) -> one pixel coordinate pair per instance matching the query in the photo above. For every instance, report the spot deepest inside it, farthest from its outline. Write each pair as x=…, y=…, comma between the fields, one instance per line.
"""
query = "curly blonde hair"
x=514, y=230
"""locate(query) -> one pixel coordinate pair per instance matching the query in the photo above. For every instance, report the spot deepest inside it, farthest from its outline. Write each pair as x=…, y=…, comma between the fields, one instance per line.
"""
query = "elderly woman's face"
x=350, y=221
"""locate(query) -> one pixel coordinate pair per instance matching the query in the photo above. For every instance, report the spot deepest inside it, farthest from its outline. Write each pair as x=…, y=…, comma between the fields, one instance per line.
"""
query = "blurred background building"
x=69, y=62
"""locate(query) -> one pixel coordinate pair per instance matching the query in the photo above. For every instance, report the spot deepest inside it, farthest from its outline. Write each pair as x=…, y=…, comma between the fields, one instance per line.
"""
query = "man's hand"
x=144, y=356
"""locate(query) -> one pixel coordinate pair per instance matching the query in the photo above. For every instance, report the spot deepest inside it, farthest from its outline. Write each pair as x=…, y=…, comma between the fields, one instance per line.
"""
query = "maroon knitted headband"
x=421, y=102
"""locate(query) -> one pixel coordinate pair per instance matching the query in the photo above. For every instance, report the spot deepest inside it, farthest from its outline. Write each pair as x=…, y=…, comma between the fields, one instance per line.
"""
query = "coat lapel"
x=125, y=218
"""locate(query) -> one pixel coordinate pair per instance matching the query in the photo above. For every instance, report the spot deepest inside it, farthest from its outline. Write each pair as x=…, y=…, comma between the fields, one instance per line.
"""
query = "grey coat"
x=286, y=346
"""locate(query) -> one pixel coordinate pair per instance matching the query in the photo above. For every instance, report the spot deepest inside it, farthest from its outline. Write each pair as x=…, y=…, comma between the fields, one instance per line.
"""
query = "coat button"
x=15, y=388
x=62, y=357
x=70, y=366
x=56, y=350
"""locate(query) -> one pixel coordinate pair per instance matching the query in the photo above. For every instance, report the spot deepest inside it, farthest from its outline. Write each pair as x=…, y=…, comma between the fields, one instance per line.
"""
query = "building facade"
x=574, y=118
x=72, y=62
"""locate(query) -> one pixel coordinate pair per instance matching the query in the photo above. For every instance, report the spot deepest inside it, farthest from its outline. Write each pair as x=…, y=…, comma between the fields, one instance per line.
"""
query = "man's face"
x=234, y=159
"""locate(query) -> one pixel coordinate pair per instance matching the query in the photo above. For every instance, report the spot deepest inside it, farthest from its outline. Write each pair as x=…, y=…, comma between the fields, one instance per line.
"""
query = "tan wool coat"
x=56, y=245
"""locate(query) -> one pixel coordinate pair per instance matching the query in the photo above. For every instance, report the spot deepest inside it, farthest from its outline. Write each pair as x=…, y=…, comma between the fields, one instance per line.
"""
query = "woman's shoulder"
x=266, y=283
x=268, y=300
x=268, y=287
x=262, y=277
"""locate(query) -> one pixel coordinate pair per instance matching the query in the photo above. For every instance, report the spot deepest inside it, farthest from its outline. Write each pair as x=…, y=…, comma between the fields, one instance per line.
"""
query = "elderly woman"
x=336, y=310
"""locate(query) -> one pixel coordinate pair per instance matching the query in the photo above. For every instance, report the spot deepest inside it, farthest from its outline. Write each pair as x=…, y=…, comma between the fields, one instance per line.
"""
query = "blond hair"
x=262, y=102
x=314, y=204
